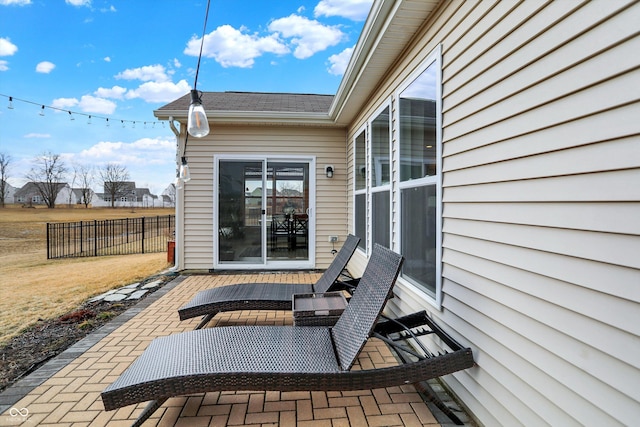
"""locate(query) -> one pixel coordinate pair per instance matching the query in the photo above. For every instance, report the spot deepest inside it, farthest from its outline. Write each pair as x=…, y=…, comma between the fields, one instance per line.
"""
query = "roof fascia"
x=378, y=19
x=280, y=118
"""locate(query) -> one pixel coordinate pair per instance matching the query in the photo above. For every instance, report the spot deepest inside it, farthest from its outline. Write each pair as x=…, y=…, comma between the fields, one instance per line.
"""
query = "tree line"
x=48, y=171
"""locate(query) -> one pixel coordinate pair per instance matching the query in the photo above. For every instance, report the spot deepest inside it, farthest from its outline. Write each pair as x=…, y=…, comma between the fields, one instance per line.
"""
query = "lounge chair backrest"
x=339, y=263
x=359, y=318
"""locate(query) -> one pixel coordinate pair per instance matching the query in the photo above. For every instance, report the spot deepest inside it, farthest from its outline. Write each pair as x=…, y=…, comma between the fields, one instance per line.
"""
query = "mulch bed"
x=37, y=344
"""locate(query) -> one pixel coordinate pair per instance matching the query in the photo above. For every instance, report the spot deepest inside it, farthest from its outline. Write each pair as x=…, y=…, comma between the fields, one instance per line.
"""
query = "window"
x=397, y=179
x=360, y=205
x=419, y=180
x=380, y=167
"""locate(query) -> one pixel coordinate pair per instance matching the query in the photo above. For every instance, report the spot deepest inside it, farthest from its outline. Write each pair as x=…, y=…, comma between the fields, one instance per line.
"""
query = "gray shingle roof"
x=256, y=101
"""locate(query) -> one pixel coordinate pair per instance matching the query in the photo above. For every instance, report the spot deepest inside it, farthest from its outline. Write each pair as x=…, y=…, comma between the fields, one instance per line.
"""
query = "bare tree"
x=5, y=161
x=114, y=179
x=86, y=178
x=170, y=192
x=47, y=174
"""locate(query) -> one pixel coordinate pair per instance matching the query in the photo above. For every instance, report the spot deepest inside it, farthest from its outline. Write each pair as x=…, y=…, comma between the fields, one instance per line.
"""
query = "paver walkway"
x=71, y=397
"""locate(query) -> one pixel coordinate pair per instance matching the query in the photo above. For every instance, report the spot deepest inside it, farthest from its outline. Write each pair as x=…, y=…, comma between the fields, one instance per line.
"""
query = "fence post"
x=95, y=237
x=142, y=234
x=48, y=243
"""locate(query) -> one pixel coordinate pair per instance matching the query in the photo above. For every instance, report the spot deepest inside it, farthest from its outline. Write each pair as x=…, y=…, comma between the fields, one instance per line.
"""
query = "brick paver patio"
x=71, y=397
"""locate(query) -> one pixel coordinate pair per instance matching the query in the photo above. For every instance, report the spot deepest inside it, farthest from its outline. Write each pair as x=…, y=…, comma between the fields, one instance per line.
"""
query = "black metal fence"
x=109, y=237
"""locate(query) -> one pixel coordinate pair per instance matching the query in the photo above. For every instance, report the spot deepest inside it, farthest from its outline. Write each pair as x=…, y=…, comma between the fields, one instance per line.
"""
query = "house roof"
x=32, y=188
x=390, y=26
x=255, y=107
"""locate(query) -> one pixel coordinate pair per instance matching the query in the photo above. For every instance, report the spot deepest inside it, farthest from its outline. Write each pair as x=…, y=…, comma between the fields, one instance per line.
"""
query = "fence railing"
x=109, y=237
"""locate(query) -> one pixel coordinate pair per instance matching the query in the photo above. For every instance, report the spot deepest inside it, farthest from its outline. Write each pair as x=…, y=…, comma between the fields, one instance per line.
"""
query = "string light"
x=197, y=122
x=71, y=114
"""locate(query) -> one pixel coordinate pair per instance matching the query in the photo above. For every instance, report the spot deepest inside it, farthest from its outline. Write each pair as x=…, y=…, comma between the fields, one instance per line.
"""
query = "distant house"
x=30, y=195
x=128, y=195
x=495, y=145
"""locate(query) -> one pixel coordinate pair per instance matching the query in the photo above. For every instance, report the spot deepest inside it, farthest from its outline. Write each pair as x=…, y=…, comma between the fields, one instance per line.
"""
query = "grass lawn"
x=33, y=287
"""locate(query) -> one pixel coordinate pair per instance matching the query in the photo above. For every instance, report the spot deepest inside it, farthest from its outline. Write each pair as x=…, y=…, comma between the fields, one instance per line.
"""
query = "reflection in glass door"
x=287, y=211
x=240, y=212
x=263, y=209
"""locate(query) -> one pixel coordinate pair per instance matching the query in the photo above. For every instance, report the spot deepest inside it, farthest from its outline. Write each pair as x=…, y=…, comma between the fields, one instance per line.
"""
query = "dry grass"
x=32, y=287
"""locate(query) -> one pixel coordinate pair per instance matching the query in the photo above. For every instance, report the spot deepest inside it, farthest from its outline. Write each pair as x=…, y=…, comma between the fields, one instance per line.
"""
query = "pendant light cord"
x=204, y=29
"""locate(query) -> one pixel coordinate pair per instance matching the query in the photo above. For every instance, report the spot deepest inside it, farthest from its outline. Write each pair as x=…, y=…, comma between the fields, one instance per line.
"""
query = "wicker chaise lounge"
x=267, y=296
x=281, y=358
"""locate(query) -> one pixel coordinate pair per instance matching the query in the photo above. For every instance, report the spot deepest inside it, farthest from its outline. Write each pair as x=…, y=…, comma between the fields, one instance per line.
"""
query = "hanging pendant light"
x=197, y=123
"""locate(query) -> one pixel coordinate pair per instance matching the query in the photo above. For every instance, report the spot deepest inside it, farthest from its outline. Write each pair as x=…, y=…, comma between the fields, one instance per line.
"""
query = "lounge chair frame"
x=282, y=358
x=268, y=296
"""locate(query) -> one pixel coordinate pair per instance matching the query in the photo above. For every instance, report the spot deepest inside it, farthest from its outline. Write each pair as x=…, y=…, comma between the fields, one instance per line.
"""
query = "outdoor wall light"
x=329, y=171
x=197, y=123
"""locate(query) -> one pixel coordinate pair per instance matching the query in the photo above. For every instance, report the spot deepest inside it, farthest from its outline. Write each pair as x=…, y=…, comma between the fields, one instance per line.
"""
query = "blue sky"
x=121, y=59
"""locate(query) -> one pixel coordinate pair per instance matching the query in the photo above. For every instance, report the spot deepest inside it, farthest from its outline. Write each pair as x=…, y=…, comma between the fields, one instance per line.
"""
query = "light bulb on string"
x=42, y=111
x=107, y=122
x=122, y=121
x=71, y=118
x=197, y=123
x=89, y=120
x=185, y=172
x=10, y=106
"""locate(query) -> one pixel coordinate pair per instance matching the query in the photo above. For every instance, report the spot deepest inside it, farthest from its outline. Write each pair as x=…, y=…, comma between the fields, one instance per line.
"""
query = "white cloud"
x=176, y=63
x=309, y=36
x=107, y=59
x=142, y=152
x=6, y=47
x=356, y=10
x=15, y=2
x=111, y=8
x=147, y=73
x=37, y=135
x=159, y=91
x=78, y=2
x=45, y=67
x=64, y=103
x=340, y=61
x=92, y=104
x=231, y=47
x=116, y=92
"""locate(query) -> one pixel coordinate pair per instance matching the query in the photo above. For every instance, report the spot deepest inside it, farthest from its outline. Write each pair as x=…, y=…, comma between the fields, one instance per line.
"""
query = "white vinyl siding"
x=541, y=206
x=326, y=144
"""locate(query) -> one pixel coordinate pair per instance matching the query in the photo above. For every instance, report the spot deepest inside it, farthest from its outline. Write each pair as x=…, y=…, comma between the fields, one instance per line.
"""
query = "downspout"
x=179, y=231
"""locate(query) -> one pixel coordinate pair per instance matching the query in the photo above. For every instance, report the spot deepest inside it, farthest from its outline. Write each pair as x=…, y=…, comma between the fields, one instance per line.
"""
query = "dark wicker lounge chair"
x=267, y=296
x=282, y=358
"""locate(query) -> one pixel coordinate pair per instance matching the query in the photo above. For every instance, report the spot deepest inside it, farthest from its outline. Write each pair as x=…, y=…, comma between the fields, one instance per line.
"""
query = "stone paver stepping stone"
x=115, y=297
x=137, y=294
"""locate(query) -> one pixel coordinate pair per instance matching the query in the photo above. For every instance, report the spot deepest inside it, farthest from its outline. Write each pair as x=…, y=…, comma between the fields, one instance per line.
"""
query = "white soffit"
x=389, y=28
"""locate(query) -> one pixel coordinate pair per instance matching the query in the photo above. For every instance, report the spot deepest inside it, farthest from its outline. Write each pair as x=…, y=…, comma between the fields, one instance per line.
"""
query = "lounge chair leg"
x=205, y=319
x=425, y=389
x=148, y=411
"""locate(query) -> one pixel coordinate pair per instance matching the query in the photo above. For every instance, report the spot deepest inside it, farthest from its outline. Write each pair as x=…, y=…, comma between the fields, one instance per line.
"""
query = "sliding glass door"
x=264, y=213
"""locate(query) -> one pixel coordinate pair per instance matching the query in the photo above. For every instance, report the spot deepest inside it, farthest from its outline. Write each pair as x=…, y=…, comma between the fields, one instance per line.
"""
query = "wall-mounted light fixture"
x=329, y=171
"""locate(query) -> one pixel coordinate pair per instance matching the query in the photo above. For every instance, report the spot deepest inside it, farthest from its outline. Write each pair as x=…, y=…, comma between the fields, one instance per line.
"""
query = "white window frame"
x=435, y=57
